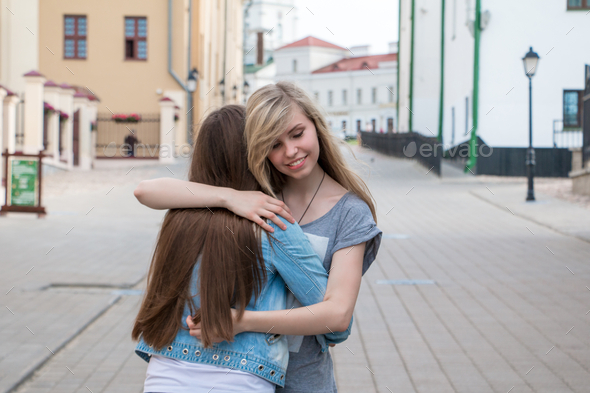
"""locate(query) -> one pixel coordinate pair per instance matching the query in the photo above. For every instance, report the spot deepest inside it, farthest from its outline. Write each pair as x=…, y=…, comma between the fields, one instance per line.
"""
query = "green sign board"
x=24, y=182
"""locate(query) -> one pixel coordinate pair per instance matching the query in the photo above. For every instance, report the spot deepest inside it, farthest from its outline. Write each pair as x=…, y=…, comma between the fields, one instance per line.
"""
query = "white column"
x=167, y=133
x=51, y=95
x=33, y=130
x=81, y=104
x=3, y=93
x=66, y=102
x=10, y=122
x=92, y=115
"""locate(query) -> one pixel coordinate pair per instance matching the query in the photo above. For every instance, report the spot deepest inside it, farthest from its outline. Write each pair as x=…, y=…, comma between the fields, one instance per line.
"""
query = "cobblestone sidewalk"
x=464, y=296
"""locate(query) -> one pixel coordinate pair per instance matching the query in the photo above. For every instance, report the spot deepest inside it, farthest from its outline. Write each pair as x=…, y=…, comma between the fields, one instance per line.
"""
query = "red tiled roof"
x=311, y=41
x=32, y=73
x=357, y=63
x=66, y=86
x=8, y=91
x=50, y=84
x=80, y=95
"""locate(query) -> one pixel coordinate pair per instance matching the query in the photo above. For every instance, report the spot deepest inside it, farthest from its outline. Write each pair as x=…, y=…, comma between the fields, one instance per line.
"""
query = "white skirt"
x=167, y=375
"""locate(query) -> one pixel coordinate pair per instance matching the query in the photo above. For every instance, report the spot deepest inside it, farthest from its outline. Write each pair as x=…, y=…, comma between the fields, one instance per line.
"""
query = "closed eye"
x=298, y=135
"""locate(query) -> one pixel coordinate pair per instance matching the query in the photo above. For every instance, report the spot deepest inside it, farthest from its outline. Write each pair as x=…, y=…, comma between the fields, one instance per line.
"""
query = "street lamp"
x=246, y=90
x=193, y=77
x=530, y=61
x=191, y=86
x=222, y=87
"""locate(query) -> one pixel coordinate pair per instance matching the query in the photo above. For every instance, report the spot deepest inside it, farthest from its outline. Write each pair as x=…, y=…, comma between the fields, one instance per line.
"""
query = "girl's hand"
x=256, y=205
x=195, y=330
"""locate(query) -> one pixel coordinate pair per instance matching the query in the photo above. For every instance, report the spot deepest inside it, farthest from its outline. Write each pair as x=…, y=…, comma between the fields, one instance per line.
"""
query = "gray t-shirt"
x=348, y=223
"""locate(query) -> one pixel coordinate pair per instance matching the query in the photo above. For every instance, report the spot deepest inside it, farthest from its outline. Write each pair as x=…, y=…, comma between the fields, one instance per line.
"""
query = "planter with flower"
x=63, y=116
x=48, y=109
x=124, y=118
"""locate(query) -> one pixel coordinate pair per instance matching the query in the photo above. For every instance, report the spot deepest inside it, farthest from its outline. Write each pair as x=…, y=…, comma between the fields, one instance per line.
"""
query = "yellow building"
x=134, y=53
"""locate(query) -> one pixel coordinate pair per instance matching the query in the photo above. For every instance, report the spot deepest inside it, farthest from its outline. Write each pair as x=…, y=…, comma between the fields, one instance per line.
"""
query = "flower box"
x=124, y=118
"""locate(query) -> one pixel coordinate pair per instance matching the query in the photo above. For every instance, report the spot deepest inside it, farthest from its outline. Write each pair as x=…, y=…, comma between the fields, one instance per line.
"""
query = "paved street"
x=499, y=299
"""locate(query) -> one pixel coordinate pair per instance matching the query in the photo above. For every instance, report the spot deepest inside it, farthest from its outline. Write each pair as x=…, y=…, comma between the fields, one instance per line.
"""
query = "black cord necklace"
x=312, y=198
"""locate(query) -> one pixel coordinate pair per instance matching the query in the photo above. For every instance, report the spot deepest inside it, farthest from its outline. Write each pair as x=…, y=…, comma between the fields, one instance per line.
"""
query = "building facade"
x=114, y=68
x=356, y=89
x=458, y=77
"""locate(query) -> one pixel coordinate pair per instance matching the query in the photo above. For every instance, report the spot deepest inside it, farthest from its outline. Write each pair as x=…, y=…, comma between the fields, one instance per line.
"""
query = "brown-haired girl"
x=213, y=265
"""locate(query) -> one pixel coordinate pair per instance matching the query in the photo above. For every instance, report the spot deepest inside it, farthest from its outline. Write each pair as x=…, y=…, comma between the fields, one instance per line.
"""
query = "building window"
x=74, y=37
x=578, y=4
x=330, y=97
x=344, y=126
x=572, y=108
x=373, y=125
x=390, y=124
x=359, y=96
x=344, y=97
x=374, y=95
x=294, y=66
x=358, y=126
x=390, y=88
x=135, y=38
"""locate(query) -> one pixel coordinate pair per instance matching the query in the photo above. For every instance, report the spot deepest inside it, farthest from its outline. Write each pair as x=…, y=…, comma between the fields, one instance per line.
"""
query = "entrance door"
x=76, y=144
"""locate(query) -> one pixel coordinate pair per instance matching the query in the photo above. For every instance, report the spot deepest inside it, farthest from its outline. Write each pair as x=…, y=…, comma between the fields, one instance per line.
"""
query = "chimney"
x=361, y=50
x=260, y=49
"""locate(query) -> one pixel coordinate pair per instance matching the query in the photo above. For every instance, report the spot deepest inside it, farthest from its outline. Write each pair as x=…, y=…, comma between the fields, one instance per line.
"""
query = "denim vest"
x=292, y=264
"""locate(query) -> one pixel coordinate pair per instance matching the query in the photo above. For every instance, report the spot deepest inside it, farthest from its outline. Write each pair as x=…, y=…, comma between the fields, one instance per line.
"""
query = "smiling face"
x=295, y=153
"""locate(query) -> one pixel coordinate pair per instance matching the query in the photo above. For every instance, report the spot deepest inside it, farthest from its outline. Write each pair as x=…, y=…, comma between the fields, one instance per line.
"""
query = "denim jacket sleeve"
x=303, y=272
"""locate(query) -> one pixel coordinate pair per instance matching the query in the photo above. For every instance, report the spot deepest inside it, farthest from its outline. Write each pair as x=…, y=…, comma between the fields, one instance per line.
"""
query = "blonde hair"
x=268, y=113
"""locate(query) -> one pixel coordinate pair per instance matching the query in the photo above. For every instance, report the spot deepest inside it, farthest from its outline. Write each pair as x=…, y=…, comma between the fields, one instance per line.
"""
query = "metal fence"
x=510, y=161
x=569, y=137
x=113, y=137
x=427, y=151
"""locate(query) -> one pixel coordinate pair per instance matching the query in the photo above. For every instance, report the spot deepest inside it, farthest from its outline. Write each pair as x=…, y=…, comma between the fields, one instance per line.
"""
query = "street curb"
x=561, y=232
x=39, y=364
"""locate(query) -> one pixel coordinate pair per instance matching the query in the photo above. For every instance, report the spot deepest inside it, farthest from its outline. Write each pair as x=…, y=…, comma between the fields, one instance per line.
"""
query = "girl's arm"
x=331, y=315
x=170, y=193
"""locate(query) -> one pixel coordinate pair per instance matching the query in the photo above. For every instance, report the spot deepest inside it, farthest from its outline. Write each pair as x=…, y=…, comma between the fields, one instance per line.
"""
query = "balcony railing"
x=566, y=137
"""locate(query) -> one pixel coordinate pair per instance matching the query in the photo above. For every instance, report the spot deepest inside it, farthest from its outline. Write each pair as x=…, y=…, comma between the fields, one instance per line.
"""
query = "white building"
x=356, y=89
x=268, y=25
x=555, y=29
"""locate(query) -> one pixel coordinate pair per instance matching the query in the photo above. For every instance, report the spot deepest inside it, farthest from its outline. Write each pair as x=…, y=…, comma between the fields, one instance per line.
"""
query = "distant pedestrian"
x=128, y=148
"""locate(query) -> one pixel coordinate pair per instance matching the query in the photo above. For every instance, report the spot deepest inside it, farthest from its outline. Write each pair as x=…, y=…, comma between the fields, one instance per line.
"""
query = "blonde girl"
x=298, y=163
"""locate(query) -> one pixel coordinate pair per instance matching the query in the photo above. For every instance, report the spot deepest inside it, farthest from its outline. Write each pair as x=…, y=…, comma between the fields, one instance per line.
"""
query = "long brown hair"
x=268, y=113
x=231, y=269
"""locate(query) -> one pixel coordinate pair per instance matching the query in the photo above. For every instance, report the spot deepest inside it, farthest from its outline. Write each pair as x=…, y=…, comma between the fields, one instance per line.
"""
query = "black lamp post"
x=191, y=86
x=246, y=91
x=222, y=87
x=530, y=61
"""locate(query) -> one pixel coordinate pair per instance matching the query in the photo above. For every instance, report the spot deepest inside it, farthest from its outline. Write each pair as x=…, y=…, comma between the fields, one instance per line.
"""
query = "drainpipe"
x=442, y=72
x=472, y=161
x=223, y=96
x=412, y=69
x=399, y=44
x=170, y=70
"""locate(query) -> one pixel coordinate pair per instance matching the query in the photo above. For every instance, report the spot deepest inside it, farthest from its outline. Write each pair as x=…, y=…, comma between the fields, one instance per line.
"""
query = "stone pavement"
x=499, y=300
